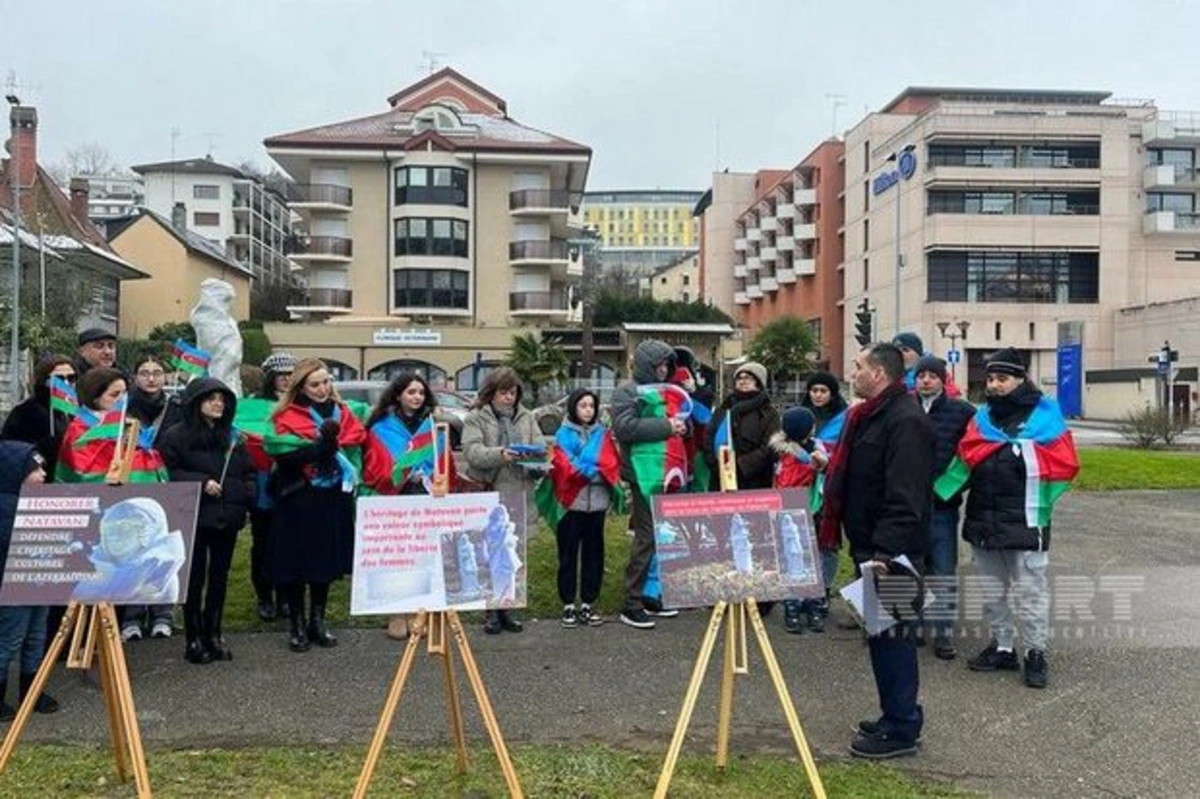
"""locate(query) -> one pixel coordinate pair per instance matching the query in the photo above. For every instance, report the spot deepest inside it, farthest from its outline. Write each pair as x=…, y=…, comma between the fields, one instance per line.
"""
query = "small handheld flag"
x=190, y=359
x=62, y=395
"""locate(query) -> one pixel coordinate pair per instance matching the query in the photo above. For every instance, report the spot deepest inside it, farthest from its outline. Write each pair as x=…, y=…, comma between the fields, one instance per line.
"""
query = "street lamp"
x=954, y=335
x=15, y=190
x=895, y=158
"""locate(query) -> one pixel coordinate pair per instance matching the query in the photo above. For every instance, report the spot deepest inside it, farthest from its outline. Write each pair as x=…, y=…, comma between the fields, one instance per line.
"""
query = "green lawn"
x=590, y=771
x=1111, y=469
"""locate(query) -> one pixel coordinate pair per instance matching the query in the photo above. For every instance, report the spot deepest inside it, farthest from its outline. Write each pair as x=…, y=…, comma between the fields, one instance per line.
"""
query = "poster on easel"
x=734, y=546
x=91, y=543
x=458, y=552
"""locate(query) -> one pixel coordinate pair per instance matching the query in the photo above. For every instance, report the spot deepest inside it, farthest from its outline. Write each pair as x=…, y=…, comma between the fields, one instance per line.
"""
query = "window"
x=440, y=237
x=431, y=185
x=206, y=219
x=1184, y=160
x=687, y=280
x=1167, y=201
x=686, y=298
x=866, y=234
x=203, y=192
x=866, y=273
x=1026, y=277
x=431, y=288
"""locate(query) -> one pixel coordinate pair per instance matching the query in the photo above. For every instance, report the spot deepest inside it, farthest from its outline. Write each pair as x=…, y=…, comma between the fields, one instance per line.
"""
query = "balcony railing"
x=541, y=250
x=330, y=298
x=559, y=199
x=548, y=301
x=431, y=195
x=323, y=194
x=335, y=246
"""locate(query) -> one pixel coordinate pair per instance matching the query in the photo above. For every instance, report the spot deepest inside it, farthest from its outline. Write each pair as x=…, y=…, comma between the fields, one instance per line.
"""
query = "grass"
x=1113, y=469
x=591, y=772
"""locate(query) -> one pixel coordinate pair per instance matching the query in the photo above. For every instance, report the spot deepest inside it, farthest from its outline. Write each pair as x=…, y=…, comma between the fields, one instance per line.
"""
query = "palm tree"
x=537, y=361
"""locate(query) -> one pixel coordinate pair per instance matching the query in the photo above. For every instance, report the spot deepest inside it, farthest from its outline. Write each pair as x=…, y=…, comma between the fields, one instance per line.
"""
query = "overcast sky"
x=663, y=91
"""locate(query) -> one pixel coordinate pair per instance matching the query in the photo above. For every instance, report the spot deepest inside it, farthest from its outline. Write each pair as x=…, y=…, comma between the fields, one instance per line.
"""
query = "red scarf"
x=830, y=533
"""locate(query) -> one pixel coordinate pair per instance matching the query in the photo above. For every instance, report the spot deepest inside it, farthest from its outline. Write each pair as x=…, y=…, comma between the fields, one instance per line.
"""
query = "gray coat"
x=596, y=495
x=485, y=454
x=627, y=427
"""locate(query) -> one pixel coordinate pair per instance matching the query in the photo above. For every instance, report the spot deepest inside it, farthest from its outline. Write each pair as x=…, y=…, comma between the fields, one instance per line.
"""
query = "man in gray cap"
x=97, y=347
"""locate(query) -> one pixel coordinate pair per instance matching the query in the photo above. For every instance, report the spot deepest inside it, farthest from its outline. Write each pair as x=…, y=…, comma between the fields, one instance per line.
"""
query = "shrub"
x=1149, y=427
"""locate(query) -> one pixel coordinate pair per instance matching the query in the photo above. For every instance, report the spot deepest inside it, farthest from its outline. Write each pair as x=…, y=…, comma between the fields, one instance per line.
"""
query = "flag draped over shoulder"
x=253, y=420
x=574, y=463
x=295, y=427
x=661, y=467
x=832, y=430
x=90, y=444
x=1046, y=447
x=189, y=358
x=393, y=455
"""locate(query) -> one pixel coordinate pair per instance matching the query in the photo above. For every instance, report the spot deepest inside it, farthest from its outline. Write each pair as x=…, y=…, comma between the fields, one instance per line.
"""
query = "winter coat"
x=627, y=426
x=195, y=451
x=995, y=513
x=16, y=462
x=597, y=494
x=29, y=421
x=753, y=419
x=483, y=448
x=159, y=412
x=889, y=482
x=949, y=417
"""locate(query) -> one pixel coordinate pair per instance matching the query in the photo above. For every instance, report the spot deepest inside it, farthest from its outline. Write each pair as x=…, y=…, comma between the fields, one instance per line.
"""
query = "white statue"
x=217, y=333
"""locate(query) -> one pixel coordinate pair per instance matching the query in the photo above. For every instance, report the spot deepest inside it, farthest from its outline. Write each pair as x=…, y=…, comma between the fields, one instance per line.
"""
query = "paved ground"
x=1121, y=717
x=1101, y=433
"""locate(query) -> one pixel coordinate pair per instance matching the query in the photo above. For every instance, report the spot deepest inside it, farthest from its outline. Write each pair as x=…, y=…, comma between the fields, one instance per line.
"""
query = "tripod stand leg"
x=454, y=708
x=728, y=671
x=389, y=707
x=116, y=729
x=689, y=700
x=112, y=649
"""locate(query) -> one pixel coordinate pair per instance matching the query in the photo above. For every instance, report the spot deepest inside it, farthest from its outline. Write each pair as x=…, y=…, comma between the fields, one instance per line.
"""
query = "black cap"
x=1006, y=362
x=95, y=334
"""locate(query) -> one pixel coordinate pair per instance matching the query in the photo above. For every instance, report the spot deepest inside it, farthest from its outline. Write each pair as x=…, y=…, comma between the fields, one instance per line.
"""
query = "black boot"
x=45, y=703
x=194, y=652
x=792, y=610
x=818, y=610
x=7, y=711
x=491, y=622
x=317, y=631
x=214, y=642
x=509, y=622
x=298, y=642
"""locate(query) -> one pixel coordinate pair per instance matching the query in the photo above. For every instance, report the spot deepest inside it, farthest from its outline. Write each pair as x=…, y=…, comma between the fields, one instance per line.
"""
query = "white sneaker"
x=161, y=629
x=131, y=632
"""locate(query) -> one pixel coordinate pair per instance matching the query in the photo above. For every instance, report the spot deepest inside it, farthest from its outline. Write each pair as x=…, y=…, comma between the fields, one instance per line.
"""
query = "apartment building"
x=112, y=196
x=436, y=230
x=227, y=206
x=787, y=251
x=715, y=212
x=677, y=282
x=1015, y=212
x=642, y=230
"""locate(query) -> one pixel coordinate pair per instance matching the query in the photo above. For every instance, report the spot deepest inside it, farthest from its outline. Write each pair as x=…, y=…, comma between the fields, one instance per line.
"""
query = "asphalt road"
x=1120, y=718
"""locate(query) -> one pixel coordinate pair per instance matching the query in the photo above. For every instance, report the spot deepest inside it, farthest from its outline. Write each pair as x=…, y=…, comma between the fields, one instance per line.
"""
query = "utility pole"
x=14, y=180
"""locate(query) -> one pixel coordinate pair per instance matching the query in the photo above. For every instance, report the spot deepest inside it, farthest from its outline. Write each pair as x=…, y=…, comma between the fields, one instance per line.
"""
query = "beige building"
x=177, y=261
x=678, y=281
x=1018, y=210
x=436, y=230
x=717, y=210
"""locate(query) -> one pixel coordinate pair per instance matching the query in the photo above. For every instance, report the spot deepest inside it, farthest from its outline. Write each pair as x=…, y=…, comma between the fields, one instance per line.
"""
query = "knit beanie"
x=756, y=370
x=1006, y=362
x=931, y=363
x=279, y=363
x=910, y=341
x=824, y=379
x=798, y=424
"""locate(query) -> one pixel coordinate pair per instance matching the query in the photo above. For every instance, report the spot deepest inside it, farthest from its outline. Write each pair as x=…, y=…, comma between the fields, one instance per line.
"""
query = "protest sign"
x=735, y=546
x=459, y=552
x=90, y=543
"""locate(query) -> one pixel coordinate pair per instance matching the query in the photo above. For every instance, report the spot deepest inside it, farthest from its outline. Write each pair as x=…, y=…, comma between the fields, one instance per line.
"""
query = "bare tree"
x=89, y=158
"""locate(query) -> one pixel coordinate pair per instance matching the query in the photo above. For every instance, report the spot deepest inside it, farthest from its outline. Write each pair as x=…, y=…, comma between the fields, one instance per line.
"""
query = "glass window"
x=401, y=178
x=441, y=176
x=202, y=192
x=1165, y=201
x=431, y=288
x=418, y=176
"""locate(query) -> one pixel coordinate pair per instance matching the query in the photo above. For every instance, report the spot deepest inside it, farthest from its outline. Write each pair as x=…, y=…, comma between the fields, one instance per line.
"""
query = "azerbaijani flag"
x=84, y=459
x=1045, y=444
x=832, y=430
x=393, y=454
x=253, y=420
x=661, y=467
x=189, y=358
x=798, y=471
x=102, y=425
x=701, y=418
x=62, y=395
x=721, y=437
x=296, y=427
x=574, y=463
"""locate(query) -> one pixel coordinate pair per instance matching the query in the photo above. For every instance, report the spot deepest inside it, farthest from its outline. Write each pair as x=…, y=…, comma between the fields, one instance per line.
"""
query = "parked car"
x=452, y=408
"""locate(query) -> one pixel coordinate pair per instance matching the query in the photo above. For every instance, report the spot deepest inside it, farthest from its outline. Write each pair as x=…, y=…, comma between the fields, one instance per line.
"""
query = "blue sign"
x=954, y=356
x=1070, y=379
x=906, y=167
x=1164, y=367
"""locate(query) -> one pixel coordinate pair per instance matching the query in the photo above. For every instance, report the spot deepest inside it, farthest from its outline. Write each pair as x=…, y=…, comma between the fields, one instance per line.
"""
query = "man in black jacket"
x=879, y=488
x=949, y=417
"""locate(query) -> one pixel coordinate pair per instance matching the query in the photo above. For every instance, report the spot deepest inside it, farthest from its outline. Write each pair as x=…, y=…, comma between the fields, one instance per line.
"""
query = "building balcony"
x=754, y=292
x=739, y=244
x=1171, y=222
x=1167, y=175
x=805, y=232
x=769, y=284
x=323, y=248
x=322, y=197
x=768, y=224
x=1172, y=127
x=539, y=251
x=785, y=210
x=785, y=276
x=805, y=266
x=324, y=301
x=768, y=254
x=740, y=270
x=534, y=202
x=538, y=303
x=740, y=298
x=754, y=263
x=754, y=234
x=804, y=197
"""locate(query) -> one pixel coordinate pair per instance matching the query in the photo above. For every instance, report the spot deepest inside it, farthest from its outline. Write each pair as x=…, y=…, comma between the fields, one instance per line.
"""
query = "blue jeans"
x=894, y=663
x=941, y=570
x=22, y=632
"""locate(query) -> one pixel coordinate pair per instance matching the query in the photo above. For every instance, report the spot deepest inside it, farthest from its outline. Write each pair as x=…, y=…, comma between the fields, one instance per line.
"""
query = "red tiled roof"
x=46, y=209
x=419, y=94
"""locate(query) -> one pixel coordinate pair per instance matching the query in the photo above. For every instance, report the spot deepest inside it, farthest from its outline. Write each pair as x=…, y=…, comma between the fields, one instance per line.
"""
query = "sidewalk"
x=1118, y=718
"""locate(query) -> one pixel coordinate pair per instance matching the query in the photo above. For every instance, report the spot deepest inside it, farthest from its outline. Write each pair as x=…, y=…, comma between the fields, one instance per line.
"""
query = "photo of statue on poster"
x=735, y=546
x=460, y=552
x=95, y=543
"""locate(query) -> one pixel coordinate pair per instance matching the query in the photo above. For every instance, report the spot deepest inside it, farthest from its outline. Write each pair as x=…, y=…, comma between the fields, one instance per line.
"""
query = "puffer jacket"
x=484, y=453
x=30, y=422
x=753, y=420
x=995, y=513
x=628, y=428
x=16, y=462
x=949, y=417
x=596, y=495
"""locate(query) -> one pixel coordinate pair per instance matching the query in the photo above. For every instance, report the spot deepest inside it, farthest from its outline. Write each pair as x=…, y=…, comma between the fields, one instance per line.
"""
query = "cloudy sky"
x=662, y=90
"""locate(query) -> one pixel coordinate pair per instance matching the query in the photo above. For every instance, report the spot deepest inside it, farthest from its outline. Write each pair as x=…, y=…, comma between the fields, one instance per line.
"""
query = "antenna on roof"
x=212, y=138
x=14, y=89
x=836, y=101
x=431, y=60
x=175, y=132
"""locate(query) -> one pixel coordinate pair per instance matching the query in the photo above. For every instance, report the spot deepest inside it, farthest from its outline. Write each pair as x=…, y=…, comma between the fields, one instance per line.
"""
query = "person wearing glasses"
x=33, y=421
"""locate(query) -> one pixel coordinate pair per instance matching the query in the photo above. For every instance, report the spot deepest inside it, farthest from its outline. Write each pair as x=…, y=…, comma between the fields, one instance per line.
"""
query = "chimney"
x=179, y=217
x=79, y=198
x=23, y=146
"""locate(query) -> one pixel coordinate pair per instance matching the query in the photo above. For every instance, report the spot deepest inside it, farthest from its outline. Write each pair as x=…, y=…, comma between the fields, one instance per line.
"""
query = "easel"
x=433, y=626
x=736, y=662
x=93, y=630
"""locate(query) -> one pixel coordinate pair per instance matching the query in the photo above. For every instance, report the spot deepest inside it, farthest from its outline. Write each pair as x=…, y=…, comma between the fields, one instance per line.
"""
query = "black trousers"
x=581, y=548
x=260, y=549
x=208, y=581
x=318, y=597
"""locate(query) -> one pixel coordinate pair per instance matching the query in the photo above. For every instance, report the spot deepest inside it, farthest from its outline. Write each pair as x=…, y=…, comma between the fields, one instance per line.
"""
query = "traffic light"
x=864, y=323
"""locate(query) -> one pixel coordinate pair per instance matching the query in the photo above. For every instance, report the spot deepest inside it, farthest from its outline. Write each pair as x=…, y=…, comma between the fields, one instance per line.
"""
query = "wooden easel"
x=433, y=626
x=736, y=662
x=93, y=630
